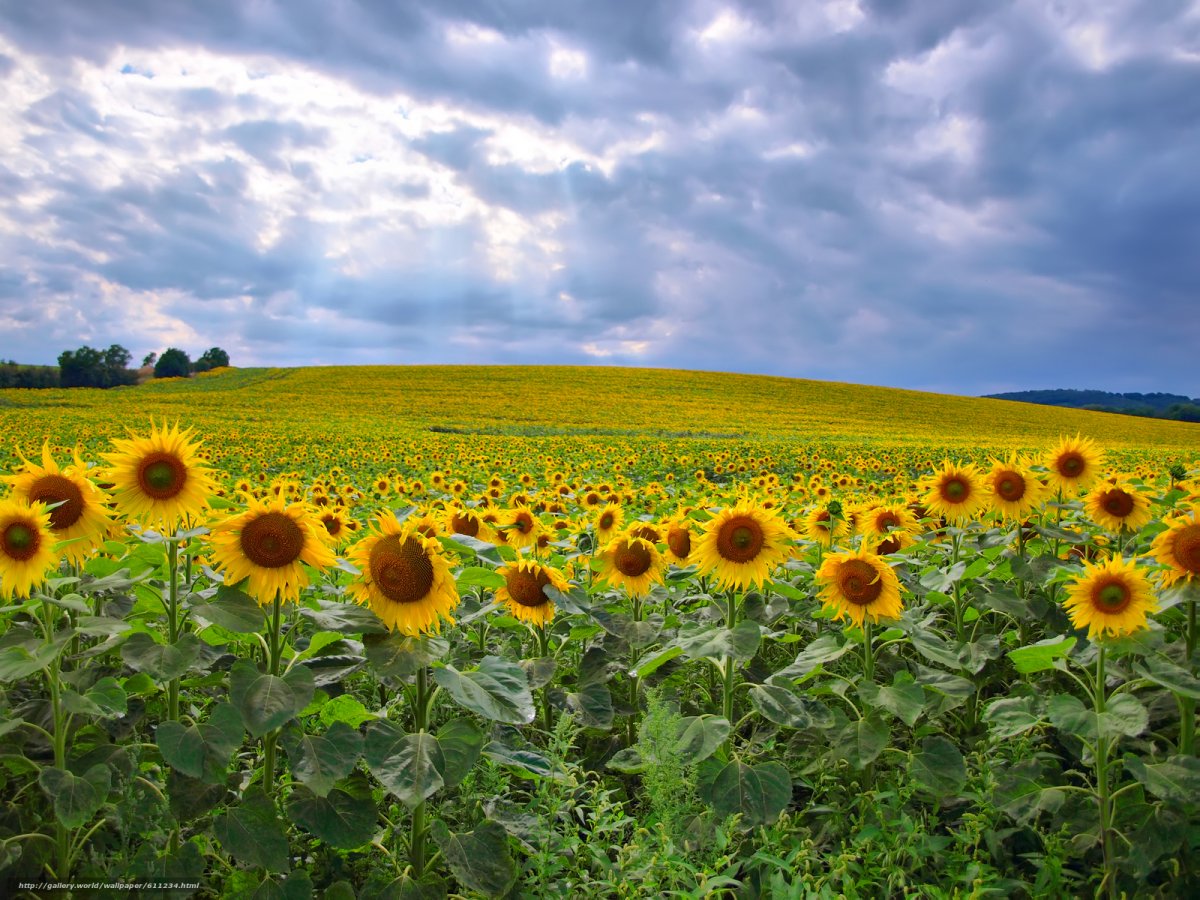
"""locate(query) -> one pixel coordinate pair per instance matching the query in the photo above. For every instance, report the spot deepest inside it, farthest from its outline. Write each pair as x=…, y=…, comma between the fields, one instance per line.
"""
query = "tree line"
x=89, y=367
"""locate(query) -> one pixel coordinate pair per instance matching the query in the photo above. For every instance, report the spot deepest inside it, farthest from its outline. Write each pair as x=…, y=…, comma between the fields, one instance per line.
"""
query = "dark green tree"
x=150, y=358
x=81, y=368
x=213, y=358
x=174, y=363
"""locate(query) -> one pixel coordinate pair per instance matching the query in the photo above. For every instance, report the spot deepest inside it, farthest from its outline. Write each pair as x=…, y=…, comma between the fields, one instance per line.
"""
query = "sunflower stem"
x=1187, y=705
x=173, y=624
x=730, y=668
x=543, y=636
x=1103, y=796
x=420, y=714
x=275, y=651
x=59, y=718
x=868, y=649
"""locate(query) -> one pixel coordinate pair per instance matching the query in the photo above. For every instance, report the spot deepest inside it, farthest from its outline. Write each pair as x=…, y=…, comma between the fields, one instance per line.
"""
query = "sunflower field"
x=473, y=631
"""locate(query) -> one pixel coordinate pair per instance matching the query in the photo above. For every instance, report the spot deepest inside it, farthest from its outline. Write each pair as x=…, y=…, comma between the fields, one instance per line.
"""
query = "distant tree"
x=174, y=363
x=116, y=367
x=213, y=358
x=149, y=359
x=81, y=368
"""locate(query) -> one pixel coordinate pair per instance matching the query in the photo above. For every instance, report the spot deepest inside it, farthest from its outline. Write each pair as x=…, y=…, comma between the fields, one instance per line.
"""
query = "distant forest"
x=89, y=367
x=1157, y=406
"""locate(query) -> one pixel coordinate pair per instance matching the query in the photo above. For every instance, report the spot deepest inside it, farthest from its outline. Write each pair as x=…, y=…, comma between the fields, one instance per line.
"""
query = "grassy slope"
x=534, y=400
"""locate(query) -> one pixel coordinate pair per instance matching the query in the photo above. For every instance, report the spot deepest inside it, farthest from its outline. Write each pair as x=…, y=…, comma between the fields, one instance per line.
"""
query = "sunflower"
x=267, y=544
x=821, y=527
x=1016, y=491
x=1074, y=464
x=1118, y=506
x=889, y=527
x=466, y=521
x=519, y=527
x=1112, y=597
x=79, y=519
x=524, y=590
x=337, y=523
x=157, y=480
x=405, y=577
x=608, y=522
x=742, y=544
x=955, y=492
x=632, y=563
x=1178, y=548
x=859, y=584
x=26, y=547
x=679, y=540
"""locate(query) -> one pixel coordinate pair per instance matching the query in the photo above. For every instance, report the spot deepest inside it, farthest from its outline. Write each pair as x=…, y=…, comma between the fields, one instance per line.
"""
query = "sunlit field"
x=482, y=631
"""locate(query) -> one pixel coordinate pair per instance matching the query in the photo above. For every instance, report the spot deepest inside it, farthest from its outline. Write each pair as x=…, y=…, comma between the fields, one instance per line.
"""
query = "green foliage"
x=88, y=367
x=213, y=358
x=173, y=363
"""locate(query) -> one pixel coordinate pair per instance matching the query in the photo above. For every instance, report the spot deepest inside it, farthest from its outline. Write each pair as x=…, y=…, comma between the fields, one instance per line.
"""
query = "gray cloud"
x=949, y=195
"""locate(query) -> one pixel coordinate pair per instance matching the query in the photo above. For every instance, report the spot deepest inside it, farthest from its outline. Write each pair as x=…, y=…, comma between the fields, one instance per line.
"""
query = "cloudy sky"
x=949, y=195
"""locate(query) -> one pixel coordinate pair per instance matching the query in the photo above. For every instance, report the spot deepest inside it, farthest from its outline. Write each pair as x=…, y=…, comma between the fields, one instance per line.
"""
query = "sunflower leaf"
x=162, y=662
x=319, y=761
x=344, y=818
x=408, y=765
x=1042, y=655
x=758, y=793
x=497, y=689
x=480, y=859
x=938, y=767
x=252, y=832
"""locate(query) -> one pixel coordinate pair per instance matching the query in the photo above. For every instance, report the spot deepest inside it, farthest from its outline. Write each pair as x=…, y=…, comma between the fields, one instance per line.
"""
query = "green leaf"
x=904, y=698
x=1176, y=779
x=344, y=618
x=408, y=765
x=401, y=655
x=740, y=642
x=461, y=741
x=593, y=703
x=934, y=648
x=1124, y=715
x=17, y=662
x=759, y=793
x=938, y=767
x=784, y=706
x=480, y=859
x=478, y=576
x=497, y=689
x=859, y=743
x=825, y=649
x=1166, y=674
x=233, y=610
x=528, y=763
x=699, y=737
x=1067, y=713
x=346, y=708
x=162, y=662
x=319, y=761
x=656, y=660
x=344, y=818
x=267, y=702
x=1012, y=716
x=202, y=750
x=76, y=798
x=629, y=760
x=252, y=832
x=539, y=672
x=1041, y=656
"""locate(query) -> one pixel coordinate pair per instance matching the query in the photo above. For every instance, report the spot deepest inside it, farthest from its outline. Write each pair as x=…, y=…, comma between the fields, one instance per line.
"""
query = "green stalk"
x=58, y=716
x=635, y=654
x=275, y=650
x=868, y=649
x=544, y=651
x=730, y=668
x=173, y=625
x=1187, y=705
x=416, y=839
x=1103, y=795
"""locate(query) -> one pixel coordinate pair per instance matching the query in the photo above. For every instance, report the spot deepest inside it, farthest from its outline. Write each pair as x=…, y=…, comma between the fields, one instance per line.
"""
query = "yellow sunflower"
x=80, y=518
x=820, y=527
x=158, y=480
x=1074, y=464
x=889, y=527
x=1015, y=491
x=1118, y=506
x=1178, y=548
x=679, y=540
x=520, y=528
x=466, y=521
x=524, y=591
x=405, y=577
x=742, y=545
x=337, y=524
x=268, y=543
x=632, y=563
x=955, y=492
x=1112, y=598
x=608, y=522
x=859, y=584
x=26, y=547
